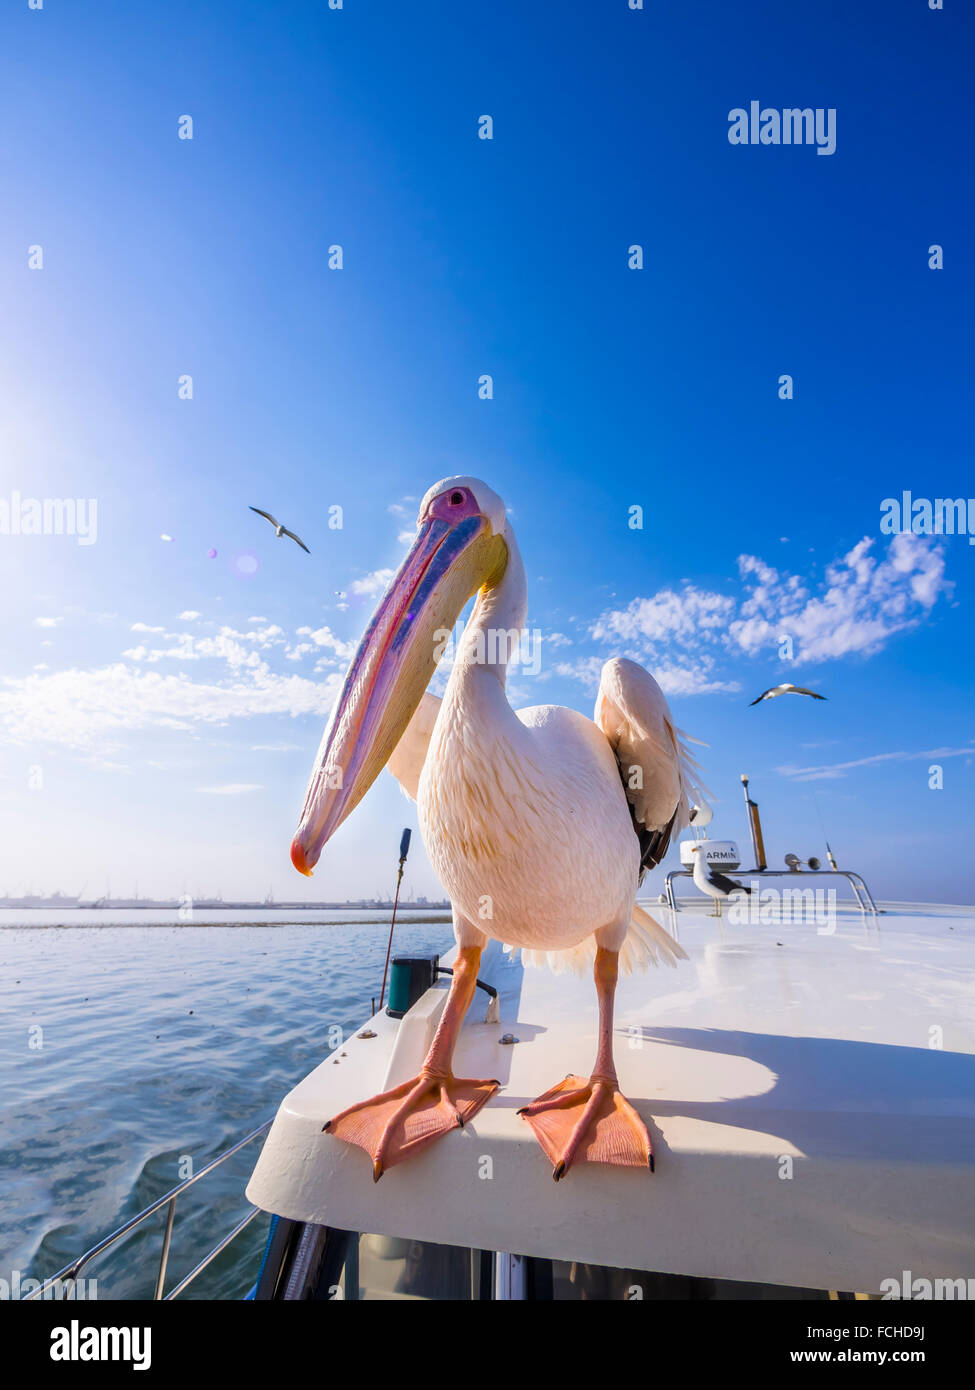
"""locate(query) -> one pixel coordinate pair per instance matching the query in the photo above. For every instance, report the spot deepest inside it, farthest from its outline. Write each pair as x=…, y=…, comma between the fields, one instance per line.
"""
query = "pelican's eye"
x=456, y=498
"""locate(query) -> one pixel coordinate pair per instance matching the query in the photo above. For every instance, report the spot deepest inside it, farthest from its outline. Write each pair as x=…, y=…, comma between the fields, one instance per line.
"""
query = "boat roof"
x=810, y=1095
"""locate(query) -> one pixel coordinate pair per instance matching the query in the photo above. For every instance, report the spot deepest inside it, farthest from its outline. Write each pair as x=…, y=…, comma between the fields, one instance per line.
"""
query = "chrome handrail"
x=852, y=878
x=69, y=1274
x=222, y=1245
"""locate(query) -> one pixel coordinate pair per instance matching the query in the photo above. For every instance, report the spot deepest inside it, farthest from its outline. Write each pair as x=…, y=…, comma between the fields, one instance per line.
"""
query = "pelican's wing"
x=304, y=547
x=268, y=515
x=657, y=770
x=772, y=690
x=801, y=690
x=407, y=758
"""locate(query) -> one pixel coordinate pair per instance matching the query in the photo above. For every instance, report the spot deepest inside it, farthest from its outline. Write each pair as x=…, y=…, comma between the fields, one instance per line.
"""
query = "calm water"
x=128, y=1051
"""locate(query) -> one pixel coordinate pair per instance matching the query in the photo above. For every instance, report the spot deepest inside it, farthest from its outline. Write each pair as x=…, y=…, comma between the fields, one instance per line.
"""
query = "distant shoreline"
x=441, y=919
x=62, y=904
x=221, y=915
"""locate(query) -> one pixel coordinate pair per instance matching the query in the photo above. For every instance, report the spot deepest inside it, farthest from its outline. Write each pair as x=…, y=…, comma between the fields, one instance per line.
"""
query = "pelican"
x=540, y=823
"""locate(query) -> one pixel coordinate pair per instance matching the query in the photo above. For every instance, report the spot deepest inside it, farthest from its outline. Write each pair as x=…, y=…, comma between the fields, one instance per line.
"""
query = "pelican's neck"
x=493, y=634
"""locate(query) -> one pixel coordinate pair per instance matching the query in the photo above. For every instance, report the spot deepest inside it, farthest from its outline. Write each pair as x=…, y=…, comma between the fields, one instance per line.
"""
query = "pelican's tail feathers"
x=646, y=944
x=577, y=960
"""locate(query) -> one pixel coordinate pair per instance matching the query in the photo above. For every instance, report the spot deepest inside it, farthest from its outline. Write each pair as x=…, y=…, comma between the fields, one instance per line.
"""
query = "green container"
x=409, y=978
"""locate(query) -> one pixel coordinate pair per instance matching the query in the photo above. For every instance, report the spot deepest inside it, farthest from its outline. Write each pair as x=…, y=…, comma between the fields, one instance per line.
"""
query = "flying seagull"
x=710, y=881
x=787, y=689
x=280, y=530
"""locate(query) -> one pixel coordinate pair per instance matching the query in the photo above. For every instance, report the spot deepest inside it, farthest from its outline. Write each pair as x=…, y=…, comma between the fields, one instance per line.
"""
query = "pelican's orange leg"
x=590, y=1121
x=401, y=1122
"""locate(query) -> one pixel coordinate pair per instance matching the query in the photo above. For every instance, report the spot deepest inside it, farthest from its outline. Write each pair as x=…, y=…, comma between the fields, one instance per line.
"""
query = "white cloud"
x=236, y=648
x=690, y=680
x=190, y=615
x=325, y=637
x=834, y=770
x=373, y=583
x=668, y=615
x=405, y=507
x=90, y=709
x=861, y=602
x=47, y=622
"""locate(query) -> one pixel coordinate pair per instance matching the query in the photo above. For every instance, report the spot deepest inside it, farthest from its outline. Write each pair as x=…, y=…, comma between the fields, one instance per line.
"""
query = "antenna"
x=404, y=849
x=829, y=852
x=755, y=826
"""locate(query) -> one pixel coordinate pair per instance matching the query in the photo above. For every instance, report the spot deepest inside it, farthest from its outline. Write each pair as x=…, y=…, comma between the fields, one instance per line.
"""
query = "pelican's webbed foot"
x=399, y=1123
x=589, y=1122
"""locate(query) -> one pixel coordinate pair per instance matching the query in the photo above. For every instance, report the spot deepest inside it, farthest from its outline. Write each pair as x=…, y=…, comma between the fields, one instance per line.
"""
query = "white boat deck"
x=846, y=1060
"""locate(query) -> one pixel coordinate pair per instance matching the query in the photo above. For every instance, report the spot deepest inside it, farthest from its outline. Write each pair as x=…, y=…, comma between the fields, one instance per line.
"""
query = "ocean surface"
x=135, y=1048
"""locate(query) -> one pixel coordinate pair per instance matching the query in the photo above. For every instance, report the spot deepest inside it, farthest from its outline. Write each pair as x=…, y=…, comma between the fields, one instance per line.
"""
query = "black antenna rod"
x=404, y=849
x=822, y=823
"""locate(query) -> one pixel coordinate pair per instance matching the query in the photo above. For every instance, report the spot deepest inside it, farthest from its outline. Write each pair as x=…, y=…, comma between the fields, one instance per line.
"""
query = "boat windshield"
x=389, y=1268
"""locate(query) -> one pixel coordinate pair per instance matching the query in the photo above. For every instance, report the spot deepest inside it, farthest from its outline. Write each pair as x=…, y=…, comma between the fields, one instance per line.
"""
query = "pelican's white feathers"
x=632, y=713
x=655, y=763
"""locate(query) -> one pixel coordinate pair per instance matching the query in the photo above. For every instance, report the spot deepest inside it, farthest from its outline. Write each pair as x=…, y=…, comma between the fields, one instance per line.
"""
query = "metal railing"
x=855, y=880
x=69, y=1274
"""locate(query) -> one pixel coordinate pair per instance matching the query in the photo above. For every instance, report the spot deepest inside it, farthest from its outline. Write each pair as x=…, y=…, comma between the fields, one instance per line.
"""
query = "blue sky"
x=141, y=745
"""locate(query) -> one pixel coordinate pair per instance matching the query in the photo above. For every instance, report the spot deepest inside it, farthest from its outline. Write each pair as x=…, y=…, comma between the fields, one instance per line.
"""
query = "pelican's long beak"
x=392, y=667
